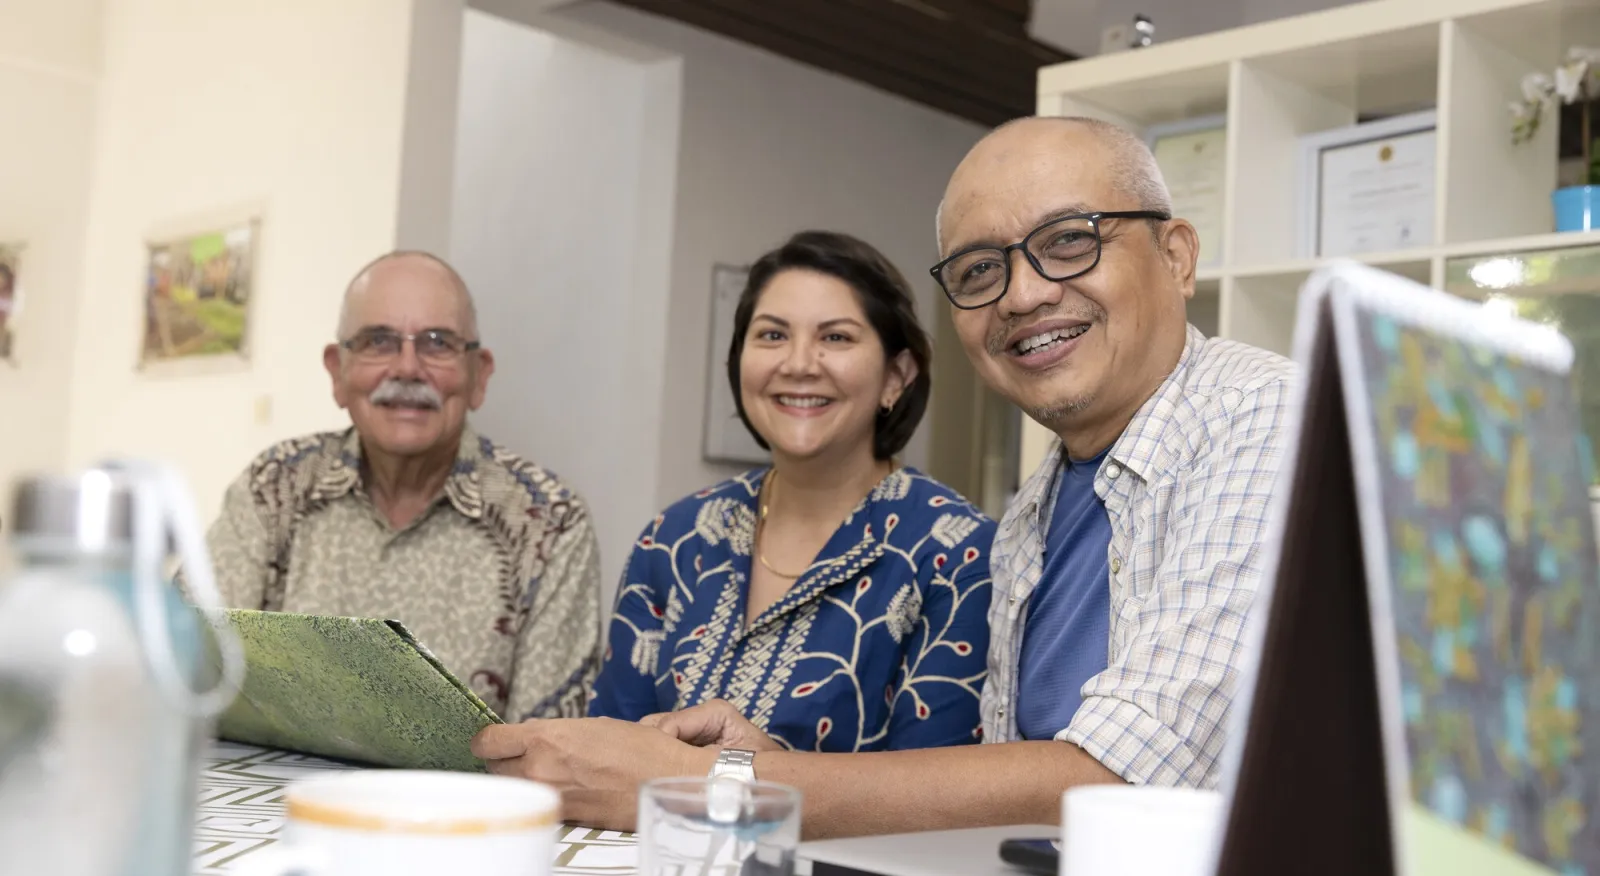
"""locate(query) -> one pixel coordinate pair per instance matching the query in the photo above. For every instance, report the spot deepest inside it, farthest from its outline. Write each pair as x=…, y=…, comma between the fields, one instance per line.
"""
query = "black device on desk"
x=1040, y=855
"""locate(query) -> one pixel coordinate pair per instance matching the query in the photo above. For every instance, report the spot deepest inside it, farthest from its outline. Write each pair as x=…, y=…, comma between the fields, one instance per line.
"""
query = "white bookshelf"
x=1278, y=81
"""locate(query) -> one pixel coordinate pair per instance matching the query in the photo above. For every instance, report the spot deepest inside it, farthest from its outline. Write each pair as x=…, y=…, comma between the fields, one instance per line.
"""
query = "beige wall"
x=563, y=211
x=49, y=65
x=336, y=120
x=297, y=107
x=769, y=147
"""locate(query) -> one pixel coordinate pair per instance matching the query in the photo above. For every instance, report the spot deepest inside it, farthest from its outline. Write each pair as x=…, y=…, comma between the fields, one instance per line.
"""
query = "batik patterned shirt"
x=1186, y=487
x=499, y=577
x=880, y=643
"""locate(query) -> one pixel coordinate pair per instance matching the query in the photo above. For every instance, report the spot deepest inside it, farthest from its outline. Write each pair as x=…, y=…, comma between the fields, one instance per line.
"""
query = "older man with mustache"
x=489, y=559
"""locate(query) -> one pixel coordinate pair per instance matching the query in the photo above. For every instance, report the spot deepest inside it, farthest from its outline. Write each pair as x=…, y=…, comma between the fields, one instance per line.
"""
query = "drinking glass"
x=717, y=827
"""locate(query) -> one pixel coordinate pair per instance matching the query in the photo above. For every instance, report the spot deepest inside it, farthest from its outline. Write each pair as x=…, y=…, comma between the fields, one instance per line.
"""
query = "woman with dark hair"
x=837, y=597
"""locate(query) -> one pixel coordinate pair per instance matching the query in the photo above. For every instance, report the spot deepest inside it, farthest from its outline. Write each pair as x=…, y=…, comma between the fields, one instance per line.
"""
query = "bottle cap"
x=93, y=509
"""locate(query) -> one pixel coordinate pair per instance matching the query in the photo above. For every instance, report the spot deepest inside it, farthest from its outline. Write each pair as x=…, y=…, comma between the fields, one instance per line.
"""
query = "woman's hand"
x=716, y=723
x=596, y=763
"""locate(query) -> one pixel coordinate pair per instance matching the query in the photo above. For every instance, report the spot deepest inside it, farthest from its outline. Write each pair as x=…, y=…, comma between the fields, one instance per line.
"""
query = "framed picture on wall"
x=198, y=289
x=726, y=438
x=1192, y=156
x=10, y=297
x=1368, y=187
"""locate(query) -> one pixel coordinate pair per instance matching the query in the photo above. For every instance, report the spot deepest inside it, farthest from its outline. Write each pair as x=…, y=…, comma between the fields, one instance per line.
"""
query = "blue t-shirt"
x=1069, y=613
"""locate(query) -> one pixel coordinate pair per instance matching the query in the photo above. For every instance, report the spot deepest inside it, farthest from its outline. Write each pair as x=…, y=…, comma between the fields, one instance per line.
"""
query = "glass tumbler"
x=717, y=827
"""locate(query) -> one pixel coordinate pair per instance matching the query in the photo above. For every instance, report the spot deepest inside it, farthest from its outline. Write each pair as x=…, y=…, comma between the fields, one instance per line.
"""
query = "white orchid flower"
x=1570, y=85
x=1570, y=80
x=1584, y=53
x=1536, y=87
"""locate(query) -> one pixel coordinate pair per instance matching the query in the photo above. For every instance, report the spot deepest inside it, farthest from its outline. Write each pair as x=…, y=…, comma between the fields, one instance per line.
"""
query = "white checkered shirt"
x=1186, y=488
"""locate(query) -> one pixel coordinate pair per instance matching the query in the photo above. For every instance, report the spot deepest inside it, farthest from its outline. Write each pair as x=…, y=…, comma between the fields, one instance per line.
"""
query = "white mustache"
x=406, y=392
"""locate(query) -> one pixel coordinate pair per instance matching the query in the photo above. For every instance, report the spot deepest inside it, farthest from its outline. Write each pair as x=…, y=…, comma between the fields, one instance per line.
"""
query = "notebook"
x=357, y=689
x=1421, y=688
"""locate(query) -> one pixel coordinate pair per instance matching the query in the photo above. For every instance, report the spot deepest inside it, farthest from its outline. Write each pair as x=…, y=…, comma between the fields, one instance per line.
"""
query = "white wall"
x=1076, y=25
x=299, y=106
x=769, y=147
x=427, y=161
x=49, y=65
x=562, y=227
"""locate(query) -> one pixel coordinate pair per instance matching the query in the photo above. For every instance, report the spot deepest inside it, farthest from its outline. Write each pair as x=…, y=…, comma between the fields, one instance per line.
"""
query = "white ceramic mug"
x=1138, y=830
x=410, y=823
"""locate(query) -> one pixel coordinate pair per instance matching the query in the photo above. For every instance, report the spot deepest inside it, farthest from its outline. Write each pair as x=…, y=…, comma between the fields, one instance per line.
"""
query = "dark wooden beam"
x=1022, y=10
x=972, y=13
x=874, y=34
x=985, y=60
x=753, y=23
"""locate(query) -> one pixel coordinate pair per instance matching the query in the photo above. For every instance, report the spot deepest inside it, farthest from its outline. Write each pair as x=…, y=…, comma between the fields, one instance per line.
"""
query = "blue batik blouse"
x=881, y=643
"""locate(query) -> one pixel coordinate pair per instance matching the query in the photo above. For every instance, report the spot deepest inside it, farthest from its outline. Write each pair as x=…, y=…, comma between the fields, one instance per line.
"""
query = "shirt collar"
x=1142, y=446
x=463, y=488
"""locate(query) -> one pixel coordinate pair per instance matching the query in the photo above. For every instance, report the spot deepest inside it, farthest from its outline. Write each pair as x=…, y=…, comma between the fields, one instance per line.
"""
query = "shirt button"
x=1013, y=600
x=1113, y=470
x=1000, y=712
x=1116, y=565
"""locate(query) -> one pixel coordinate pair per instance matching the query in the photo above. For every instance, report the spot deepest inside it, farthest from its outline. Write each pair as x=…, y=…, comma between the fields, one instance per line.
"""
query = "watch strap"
x=736, y=763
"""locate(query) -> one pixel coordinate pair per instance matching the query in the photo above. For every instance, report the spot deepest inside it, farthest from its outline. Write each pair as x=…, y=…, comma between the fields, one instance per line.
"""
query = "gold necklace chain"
x=767, y=494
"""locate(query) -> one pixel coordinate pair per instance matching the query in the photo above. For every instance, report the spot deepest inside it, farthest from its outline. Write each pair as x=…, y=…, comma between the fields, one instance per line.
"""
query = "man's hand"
x=716, y=723
x=596, y=763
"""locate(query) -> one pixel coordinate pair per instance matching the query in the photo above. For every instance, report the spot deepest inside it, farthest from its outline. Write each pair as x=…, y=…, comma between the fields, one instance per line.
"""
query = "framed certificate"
x=1369, y=187
x=1191, y=154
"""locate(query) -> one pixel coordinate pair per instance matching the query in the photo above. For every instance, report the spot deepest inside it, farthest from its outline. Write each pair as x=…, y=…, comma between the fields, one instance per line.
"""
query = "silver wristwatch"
x=735, y=763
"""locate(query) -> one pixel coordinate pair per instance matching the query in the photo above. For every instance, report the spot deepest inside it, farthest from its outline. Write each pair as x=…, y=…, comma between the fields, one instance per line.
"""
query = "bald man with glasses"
x=409, y=515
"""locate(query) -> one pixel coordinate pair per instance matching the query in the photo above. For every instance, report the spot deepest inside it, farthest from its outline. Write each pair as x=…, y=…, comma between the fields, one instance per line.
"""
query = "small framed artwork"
x=1368, y=187
x=10, y=297
x=726, y=438
x=198, y=291
x=1192, y=155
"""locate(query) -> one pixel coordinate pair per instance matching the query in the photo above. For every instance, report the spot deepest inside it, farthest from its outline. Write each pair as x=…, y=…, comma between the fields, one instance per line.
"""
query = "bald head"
x=1119, y=153
x=410, y=267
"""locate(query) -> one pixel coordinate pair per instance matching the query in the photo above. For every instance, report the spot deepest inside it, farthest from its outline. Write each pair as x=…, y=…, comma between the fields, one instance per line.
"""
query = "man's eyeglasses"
x=1059, y=250
x=434, y=345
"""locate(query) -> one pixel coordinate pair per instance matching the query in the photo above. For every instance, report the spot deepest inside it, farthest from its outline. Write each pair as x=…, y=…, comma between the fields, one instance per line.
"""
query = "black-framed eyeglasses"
x=434, y=345
x=1059, y=250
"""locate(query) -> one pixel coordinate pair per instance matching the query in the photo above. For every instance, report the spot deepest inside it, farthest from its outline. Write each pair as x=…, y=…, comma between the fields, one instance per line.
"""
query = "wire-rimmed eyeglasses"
x=1060, y=249
x=433, y=345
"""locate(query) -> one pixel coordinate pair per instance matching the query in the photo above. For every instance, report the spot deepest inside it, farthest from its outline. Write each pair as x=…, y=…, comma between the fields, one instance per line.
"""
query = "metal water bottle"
x=102, y=728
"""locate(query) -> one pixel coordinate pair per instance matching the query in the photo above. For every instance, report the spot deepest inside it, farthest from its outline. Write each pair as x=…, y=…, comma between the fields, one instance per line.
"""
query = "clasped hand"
x=598, y=763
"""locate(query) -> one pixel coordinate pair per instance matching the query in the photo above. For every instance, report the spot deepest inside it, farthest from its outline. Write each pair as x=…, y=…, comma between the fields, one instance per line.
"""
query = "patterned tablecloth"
x=241, y=812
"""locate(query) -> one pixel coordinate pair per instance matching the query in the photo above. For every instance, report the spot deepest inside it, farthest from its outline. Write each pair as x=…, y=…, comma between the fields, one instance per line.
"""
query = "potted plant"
x=1577, y=208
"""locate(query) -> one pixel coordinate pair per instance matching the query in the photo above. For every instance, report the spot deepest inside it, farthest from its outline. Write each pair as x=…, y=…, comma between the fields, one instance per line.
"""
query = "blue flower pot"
x=1577, y=208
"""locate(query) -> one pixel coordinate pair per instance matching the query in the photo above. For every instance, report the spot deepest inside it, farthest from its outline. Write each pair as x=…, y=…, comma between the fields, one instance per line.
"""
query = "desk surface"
x=242, y=810
x=970, y=852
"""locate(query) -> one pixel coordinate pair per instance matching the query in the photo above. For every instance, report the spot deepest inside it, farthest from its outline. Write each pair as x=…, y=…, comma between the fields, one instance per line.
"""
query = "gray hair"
x=1134, y=167
x=469, y=310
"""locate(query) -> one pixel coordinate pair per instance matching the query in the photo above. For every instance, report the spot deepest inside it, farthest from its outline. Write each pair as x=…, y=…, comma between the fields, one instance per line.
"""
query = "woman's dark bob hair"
x=885, y=297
